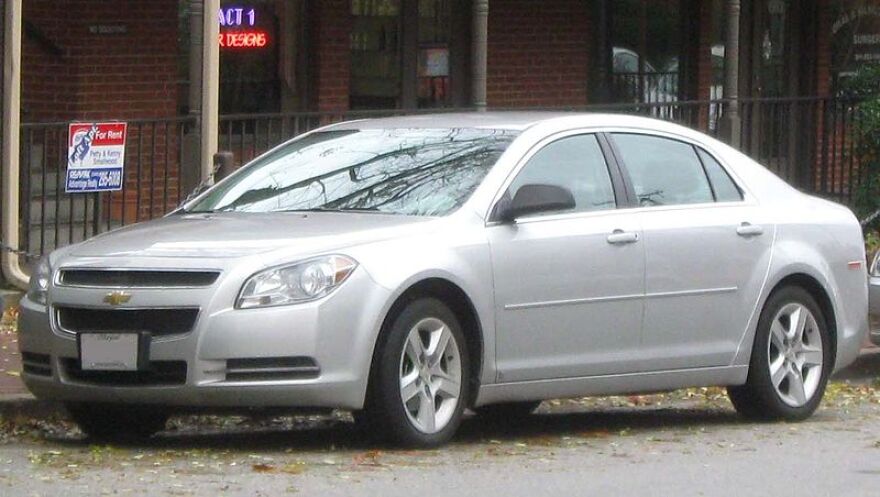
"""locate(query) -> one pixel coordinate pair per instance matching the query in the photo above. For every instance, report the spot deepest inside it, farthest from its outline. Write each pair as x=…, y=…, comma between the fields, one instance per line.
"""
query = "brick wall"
x=538, y=53
x=74, y=69
x=69, y=72
x=330, y=60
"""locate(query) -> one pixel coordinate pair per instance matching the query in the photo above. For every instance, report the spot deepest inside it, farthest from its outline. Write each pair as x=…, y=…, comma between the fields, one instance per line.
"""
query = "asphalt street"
x=683, y=443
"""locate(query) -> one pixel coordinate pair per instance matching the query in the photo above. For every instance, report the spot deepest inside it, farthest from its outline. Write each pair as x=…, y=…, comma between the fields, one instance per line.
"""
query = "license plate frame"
x=113, y=350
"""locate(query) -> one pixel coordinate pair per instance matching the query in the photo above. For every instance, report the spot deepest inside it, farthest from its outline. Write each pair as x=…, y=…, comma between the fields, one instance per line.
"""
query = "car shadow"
x=865, y=369
x=340, y=434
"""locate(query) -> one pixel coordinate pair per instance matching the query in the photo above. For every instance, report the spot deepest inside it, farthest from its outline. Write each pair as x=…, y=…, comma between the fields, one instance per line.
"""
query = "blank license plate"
x=109, y=351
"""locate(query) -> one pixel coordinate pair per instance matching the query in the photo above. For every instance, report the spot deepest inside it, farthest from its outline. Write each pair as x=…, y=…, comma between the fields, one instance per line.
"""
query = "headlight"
x=39, y=284
x=300, y=282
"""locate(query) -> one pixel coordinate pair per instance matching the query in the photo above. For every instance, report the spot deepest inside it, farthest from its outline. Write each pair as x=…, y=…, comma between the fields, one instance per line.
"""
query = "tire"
x=430, y=385
x=795, y=390
x=108, y=422
x=507, y=411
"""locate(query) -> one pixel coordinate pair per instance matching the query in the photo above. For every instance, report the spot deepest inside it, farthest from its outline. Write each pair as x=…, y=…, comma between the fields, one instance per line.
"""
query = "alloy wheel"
x=430, y=375
x=795, y=354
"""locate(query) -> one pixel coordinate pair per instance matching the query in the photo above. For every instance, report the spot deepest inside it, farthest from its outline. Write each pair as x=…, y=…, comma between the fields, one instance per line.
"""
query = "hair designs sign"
x=240, y=29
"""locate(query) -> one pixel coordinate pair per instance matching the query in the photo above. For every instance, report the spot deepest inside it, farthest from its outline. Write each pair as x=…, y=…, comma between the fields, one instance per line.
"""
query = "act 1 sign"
x=95, y=157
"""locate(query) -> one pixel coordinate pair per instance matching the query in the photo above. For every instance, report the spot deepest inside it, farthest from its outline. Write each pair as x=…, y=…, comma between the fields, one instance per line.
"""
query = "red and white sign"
x=95, y=156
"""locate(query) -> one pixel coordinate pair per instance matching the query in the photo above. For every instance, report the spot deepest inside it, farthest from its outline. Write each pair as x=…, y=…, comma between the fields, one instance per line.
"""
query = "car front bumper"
x=334, y=336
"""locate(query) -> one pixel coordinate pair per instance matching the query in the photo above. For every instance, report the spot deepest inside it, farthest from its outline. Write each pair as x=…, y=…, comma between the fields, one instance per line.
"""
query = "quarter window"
x=575, y=163
x=663, y=171
x=724, y=187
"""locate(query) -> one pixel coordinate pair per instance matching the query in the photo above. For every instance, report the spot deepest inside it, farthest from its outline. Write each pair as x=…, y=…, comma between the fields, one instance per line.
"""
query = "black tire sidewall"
x=117, y=422
x=759, y=372
x=387, y=407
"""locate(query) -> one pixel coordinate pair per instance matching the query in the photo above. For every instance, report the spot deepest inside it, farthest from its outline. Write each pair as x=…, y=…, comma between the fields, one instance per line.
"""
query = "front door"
x=568, y=285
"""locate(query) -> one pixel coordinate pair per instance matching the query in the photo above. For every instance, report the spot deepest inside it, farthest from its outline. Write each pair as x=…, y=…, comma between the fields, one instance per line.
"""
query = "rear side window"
x=724, y=187
x=575, y=163
x=663, y=171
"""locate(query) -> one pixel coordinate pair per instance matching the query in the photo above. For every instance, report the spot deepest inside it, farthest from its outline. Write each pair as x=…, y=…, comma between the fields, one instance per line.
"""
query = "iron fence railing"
x=155, y=151
x=807, y=141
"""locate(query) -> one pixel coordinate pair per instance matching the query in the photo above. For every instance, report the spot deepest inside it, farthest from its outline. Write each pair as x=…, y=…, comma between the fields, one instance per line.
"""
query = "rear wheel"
x=419, y=388
x=791, y=360
x=117, y=422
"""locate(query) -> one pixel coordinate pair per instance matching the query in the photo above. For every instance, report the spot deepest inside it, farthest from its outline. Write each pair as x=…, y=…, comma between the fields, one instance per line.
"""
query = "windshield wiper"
x=336, y=209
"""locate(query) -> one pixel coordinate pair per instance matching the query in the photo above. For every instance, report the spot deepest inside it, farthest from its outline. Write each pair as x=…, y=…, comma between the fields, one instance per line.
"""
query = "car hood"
x=225, y=235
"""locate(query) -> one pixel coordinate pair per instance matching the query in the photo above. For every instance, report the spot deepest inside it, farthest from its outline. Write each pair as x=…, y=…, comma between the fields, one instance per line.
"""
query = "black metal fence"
x=155, y=151
x=807, y=141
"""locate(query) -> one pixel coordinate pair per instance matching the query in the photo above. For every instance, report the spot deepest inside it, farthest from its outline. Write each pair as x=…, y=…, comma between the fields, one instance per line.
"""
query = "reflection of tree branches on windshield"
x=269, y=192
x=400, y=186
x=499, y=139
x=399, y=161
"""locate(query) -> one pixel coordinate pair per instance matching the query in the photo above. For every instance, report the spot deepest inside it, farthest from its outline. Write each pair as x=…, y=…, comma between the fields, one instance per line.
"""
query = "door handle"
x=748, y=229
x=620, y=237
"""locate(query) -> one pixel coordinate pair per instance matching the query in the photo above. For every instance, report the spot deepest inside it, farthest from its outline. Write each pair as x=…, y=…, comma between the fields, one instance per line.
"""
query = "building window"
x=249, y=57
x=375, y=54
x=400, y=54
x=646, y=48
x=433, y=77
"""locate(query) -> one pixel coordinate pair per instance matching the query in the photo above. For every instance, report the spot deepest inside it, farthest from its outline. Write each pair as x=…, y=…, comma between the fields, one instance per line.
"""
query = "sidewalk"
x=10, y=360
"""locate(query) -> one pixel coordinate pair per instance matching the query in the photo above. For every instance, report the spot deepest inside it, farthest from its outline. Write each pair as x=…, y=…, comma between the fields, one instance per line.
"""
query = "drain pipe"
x=210, y=122
x=9, y=261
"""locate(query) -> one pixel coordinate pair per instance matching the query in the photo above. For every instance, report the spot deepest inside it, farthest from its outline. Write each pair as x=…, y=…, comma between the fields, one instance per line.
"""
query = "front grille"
x=36, y=364
x=136, y=278
x=271, y=369
x=159, y=322
x=160, y=373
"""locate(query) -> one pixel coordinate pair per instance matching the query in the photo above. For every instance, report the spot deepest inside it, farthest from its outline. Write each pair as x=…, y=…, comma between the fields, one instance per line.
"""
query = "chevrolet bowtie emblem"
x=117, y=298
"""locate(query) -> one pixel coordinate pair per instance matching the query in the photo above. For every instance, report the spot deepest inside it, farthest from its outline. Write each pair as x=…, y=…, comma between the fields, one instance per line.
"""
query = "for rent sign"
x=95, y=157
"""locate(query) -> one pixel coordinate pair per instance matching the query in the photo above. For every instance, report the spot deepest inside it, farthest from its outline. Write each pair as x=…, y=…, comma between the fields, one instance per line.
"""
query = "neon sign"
x=237, y=17
x=244, y=39
x=239, y=32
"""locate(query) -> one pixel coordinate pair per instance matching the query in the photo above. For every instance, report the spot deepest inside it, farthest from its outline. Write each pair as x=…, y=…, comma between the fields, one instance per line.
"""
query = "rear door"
x=707, y=250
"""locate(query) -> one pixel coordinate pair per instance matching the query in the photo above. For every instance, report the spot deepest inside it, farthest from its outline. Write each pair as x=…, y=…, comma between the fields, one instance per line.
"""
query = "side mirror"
x=532, y=199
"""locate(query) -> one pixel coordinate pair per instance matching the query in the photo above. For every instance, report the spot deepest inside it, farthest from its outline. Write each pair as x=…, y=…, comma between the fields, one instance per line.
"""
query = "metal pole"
x=196, y=19
x=732, y=124
x=480, y=54
x=11, y=264
x=210, y=87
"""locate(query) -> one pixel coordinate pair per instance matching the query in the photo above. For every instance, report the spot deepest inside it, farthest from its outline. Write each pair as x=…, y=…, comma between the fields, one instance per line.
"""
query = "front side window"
x=663, y=171
x=419, y=172
x=575, y=163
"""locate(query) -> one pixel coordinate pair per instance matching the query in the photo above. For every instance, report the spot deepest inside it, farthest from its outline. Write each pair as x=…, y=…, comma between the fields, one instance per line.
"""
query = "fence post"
x=732, y=125
x=479, y=56
x=210, y=87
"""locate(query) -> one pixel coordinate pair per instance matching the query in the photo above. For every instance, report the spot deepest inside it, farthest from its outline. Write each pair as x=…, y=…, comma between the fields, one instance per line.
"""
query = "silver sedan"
x=410, y=268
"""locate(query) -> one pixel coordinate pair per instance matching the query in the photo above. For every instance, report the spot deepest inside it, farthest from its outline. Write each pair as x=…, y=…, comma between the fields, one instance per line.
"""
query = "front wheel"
x=110, y=422
x=419, y=387
x=791, y=360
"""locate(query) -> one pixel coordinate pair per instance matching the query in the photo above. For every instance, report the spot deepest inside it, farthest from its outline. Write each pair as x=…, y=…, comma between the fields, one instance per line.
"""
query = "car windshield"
x=419, y=172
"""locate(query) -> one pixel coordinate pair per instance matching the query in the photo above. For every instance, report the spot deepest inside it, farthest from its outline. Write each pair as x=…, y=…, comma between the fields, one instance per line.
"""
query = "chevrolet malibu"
x=410, y=268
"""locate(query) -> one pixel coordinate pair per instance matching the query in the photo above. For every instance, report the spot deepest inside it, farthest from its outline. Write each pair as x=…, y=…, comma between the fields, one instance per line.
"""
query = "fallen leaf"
x=262, y=468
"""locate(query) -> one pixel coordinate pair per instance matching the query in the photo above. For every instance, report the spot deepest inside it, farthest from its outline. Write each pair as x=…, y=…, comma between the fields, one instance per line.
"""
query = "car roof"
x=509, y=120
